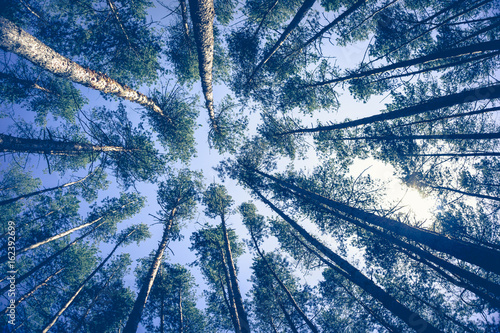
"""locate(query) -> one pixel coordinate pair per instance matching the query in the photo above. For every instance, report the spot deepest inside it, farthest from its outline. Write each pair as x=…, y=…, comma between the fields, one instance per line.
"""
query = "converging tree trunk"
x=13, y=144
x=202, y=16
x=242, y=315
x=16, y=40
x=82, y=285
x=472, y=253
x=466, y=96
x=348, y=271
x=136, y=314
x=293, y=24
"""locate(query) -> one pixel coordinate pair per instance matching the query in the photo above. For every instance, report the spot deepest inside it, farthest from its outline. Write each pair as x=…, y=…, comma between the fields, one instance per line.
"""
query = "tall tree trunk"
x=444, y=54
x=345, y=269
x=474, y=195
x=472, y=253
x=293, y=24
x=81, y=322
x=245, y=327
x=202, y=16
x=285, y=289
x=62, y=234
x=471, y=136
x=320, y=33
x=465, y=96
x=181, y=318
x=13, y=144
x=229, y=299
x=28, y=195
x=16, y=40
x=32, y=291
x=256, y=33
x=82, y=285
x=427, y=257
x=289, y=320
x=49, y=259
x=136, y=314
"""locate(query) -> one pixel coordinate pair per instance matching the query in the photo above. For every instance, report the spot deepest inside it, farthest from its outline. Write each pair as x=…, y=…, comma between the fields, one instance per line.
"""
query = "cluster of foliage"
x=371, y=266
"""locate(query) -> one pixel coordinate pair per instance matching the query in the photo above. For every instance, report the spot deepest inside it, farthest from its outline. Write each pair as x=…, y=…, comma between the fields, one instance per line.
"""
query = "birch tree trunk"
x=16, y=40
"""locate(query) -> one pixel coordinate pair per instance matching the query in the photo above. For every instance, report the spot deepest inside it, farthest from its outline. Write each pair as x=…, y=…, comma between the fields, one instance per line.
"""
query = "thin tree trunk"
x=345, y=269
x=13, y=144
x=470, y=154
x=256, y=33
x=185, y=23
x=448, y=53
x=136, y=314
x=245, y=327
x=465, y=96
x=472, y=253
x=320, y=33
x=28, y=195
x=81, y=322
x=233, y=309
x=202, y=16
x=285, y=289
x=32, y=291
x=293, y=24
x=82, y=285
x=181, y=319
x=62, y=234
x=25, y=83
x=230, y=302
x=16, y=40
x=287, y=317
x=49, y=259
x=474, y=195
x=471, y=136
x=464, y=274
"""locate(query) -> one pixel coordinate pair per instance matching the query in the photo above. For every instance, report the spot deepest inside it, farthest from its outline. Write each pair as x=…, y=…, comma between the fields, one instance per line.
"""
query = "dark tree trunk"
x=82, y=285
x=345, y=269
x=293, y=24
x=136, y=314
x=447, y=53
x=284, y=288
x=238, y=300
x=465, y=96
x=472, y=253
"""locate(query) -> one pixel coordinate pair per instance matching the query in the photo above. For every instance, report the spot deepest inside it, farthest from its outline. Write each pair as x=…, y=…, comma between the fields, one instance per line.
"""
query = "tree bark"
x=293, y=24
x=202, y=16
x=309, y=323
x=82, y=285
x=471, y=136
x=229, y=299
x=13, y=144
x=465, y=96
x=320, y=33
x=287, y=317
x=28, y=195
x=16, y=40
x=449, y=53
x=242, y=315
x=478, y=255
x=136, y=314
x=344, y=268
x=49, y=259
x=32, y=291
